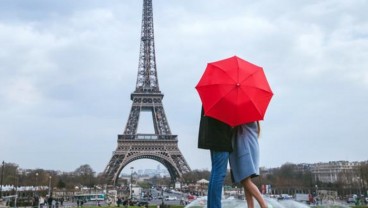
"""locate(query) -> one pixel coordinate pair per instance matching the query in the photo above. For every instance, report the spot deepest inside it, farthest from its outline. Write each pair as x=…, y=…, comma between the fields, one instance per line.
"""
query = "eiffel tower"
x=162, y=146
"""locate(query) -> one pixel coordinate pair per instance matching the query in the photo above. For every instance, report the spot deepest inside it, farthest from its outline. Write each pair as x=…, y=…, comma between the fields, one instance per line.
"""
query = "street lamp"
x=131, y=181
x=36, y=184
x=2, y=177
x=317, y=198
x=50, y=186
x=162, y=195
x=16, y=188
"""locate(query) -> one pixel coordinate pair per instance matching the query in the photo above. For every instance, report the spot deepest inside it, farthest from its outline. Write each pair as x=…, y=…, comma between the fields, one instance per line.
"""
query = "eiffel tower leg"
x=132, y=124
x=112, y=170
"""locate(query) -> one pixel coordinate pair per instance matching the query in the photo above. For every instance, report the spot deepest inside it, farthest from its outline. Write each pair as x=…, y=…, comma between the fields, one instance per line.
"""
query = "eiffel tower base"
x=163, y=151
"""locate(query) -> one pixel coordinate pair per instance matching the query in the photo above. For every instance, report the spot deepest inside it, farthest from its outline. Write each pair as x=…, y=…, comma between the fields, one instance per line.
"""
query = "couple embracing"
x=235, y=95
x=239, y=146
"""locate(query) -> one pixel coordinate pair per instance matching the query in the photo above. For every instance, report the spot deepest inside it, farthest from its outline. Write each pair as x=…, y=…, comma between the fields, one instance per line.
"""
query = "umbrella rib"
x=222, y=98
x=268, y=91
x=249, y=76
x=258, y=110
x=255, y=106
x=251, y=86
x=227, y=74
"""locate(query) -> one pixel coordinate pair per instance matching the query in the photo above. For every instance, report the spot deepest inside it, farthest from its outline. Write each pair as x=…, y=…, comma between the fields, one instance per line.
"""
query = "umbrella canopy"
x=234, y=91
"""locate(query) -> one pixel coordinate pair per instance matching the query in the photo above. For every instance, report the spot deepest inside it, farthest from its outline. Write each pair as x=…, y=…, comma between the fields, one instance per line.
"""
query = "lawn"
x=181, y=206
x=149, y=206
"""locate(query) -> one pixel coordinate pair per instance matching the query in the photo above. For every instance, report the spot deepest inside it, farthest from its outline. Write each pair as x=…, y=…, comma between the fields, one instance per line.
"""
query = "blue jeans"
x=219, y=162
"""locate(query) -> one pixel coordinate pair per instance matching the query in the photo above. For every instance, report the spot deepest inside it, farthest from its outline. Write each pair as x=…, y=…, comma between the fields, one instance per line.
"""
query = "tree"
x=60, y=184
x=10, y=173
x=144, y=184
x=196, y=175
x=85, y=174
x=363, y=175
x=84, y=170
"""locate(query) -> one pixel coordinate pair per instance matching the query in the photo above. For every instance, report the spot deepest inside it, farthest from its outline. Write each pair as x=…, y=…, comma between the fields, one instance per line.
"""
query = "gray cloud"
x=67, y=71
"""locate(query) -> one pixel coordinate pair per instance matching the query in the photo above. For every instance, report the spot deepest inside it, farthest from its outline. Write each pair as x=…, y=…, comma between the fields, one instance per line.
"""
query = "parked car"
x=170, y=198
x=191, y=197
x=350, y=200
x=130, y=202
x=284, y=196
x=142, y=203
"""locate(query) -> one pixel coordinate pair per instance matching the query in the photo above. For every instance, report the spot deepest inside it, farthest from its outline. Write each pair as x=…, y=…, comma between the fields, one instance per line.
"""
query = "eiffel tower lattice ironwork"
x=162, y=146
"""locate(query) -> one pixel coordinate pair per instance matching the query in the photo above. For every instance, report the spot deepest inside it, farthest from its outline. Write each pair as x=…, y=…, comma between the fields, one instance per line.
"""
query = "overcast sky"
x=67, y=69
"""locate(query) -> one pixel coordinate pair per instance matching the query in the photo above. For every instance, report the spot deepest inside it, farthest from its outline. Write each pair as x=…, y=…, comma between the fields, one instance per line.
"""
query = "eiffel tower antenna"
x=147, y=72
x=162, y=146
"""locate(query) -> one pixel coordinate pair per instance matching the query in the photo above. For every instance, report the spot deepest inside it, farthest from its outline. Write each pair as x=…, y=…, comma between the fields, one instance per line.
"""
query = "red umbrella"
x=234, y=91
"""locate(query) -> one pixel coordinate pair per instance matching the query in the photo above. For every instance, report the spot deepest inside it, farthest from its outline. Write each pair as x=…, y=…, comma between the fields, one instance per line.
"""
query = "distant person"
x=49, y=201
x=36, y=201
x=119, y=201
x=109, y=201
x=215, y=136
x=244, y=161
x=126, y=202
x=53, y=203
x=310, y=198
x=42, y=202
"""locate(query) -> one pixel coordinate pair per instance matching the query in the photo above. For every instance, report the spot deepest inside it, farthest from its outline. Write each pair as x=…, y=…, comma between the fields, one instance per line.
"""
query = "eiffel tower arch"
x=162, y=145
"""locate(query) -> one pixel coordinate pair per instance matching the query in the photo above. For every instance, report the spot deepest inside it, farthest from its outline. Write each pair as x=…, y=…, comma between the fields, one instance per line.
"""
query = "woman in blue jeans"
x=215, y=136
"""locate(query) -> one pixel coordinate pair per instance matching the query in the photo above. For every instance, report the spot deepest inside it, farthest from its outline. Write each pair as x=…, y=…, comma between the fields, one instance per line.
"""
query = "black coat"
x=214, y=134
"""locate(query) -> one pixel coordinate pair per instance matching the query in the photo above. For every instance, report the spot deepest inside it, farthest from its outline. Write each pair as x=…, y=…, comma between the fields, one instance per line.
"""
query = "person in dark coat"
x=215, y=136
x=49, y=201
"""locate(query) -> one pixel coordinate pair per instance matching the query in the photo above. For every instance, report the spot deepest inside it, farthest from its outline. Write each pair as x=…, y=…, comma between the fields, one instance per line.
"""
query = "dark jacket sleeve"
x=214, y=134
